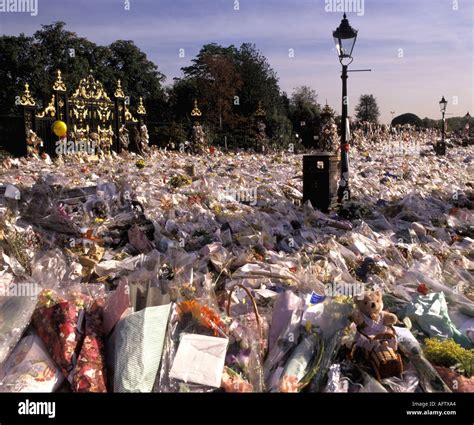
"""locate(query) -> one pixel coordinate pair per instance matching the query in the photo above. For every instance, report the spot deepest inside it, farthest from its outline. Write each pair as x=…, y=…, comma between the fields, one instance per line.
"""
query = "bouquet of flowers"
x=194, y=317
x=188, y=317
x=56, y=321
x=244, y=360
x=71, y=329
x=89, y=373
x=243, y=371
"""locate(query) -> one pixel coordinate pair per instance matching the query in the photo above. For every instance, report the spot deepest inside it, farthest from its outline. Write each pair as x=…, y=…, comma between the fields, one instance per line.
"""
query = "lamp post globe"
x=442, y=105
x=345, y=37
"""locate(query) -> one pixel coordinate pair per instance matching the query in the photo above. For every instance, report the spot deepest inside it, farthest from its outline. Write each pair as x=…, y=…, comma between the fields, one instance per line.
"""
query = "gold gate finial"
x=119, y=90
x=59, y=83
x=26, y=98
x=196, y=112
x=141, y=108
x=260, y=112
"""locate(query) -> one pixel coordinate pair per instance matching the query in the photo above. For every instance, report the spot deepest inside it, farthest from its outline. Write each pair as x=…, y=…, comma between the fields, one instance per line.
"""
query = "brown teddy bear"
x=370, y=305
x=375, y=334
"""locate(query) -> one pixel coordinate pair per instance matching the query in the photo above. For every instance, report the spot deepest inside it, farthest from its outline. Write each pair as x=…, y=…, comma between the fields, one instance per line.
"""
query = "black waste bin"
x=440, y=148
x=321, y=172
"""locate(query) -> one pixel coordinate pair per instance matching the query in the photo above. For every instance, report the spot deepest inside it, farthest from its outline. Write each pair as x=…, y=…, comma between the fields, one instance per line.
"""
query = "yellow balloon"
x=59, y=128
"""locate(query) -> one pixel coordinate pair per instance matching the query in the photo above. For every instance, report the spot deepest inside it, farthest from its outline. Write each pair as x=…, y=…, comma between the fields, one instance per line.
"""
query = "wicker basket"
x=386, y=363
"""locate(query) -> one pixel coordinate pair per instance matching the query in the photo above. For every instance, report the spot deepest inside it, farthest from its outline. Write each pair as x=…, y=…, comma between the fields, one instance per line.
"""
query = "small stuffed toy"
x=371, y=320
x=375, y=334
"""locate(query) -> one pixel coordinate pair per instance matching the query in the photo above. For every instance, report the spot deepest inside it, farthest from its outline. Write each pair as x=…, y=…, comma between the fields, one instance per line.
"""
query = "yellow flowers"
x=179, y=180
x=140, y=163
x=449, y=353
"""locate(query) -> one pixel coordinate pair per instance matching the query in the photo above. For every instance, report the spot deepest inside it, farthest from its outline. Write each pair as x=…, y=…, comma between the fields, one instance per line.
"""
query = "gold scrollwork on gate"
x=26, y=98
x=59, y=83
x=50, y=110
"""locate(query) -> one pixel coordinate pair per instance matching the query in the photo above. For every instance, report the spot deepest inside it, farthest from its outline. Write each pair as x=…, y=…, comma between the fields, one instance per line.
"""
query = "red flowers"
x=422, y=289
x=57, y=322
x=194, y=199
x=56, y=325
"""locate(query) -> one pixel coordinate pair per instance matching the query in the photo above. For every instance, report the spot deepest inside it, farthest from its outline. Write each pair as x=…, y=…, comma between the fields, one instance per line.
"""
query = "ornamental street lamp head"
x=467, y=116
x=442, y=104
x=345, y=37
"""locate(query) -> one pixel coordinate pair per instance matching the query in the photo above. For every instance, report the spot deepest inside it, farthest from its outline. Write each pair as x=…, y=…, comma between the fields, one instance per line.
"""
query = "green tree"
x=36, y=59
x=230, y=83
x=218, y=82
x=429, y=123
x=19, y=58
x=260, y=84
x=140, y=76
x=407, y=118
x=305, y=113
x=173, y=133
x=367, y=109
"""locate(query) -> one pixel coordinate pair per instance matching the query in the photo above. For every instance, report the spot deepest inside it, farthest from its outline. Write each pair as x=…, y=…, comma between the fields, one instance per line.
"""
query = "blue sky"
x=435, y=38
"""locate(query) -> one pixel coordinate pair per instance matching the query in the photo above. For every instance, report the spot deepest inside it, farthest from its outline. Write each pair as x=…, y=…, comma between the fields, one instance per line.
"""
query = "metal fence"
x=43, y=130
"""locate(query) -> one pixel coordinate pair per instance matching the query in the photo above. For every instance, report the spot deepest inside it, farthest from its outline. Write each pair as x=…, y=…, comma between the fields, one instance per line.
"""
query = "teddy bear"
x=375, y=336
x=372, y=322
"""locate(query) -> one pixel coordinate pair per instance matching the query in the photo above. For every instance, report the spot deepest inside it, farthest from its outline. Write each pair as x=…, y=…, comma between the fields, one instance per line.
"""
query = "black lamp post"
x=345, y=37
x=442, y=146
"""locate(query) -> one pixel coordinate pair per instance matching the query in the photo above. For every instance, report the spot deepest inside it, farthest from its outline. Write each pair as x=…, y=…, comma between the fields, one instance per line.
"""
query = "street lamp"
x=442, y=146
x=345, y=37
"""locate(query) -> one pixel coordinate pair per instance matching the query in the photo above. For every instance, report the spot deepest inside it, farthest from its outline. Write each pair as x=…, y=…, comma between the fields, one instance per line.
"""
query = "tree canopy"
x=35, y=60
x=305, y=113
x=367, y=109
x=230, y=83
x=407, y=118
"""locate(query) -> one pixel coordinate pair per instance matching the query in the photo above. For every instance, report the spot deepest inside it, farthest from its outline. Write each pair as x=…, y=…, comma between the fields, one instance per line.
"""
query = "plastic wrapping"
x=430, y=380
x=430, y=312
x=177, y=234
x=15, y=316
x=187, y=317
x=89, y=373
x=284, y=331
x=299, y=363
x=70, y=325
x=407, y=383
x=335, y=382
x=29, y=368
x=333, y=323
x=58, y=322
x=139, y=340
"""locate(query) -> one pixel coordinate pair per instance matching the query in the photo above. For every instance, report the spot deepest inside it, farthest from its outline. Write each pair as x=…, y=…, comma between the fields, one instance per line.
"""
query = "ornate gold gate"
x=88, y=112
